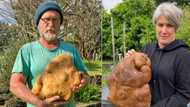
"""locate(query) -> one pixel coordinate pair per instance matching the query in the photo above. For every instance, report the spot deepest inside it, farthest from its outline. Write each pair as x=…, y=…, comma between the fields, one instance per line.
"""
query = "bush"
x=93, y=67
x=91, y=92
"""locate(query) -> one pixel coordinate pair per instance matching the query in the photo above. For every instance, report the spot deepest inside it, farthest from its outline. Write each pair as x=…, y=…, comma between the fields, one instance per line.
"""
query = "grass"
x=94, y=67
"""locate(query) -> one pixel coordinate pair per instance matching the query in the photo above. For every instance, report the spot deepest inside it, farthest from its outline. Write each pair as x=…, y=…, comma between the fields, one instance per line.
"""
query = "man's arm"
x=19, y=89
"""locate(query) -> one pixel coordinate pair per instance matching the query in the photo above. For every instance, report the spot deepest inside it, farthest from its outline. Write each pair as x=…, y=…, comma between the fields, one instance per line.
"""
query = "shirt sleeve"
x=21, y=64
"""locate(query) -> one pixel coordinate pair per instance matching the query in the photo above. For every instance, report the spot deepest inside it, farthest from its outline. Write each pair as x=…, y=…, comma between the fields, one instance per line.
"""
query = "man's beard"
x=50, y=37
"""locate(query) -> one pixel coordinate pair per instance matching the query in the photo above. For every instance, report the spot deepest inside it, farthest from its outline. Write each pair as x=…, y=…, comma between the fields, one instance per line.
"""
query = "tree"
x=137, y=18
x=180, y=2
x=183, y=31
x=82, y=25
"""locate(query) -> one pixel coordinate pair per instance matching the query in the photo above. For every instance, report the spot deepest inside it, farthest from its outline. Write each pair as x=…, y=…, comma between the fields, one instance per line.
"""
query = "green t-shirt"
x=33, y=57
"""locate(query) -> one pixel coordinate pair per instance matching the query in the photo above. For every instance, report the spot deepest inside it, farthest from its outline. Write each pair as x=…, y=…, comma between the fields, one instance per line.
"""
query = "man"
x=33, y=57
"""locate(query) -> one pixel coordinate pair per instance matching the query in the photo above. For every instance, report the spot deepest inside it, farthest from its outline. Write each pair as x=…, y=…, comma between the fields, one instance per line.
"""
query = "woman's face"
x=165, y=32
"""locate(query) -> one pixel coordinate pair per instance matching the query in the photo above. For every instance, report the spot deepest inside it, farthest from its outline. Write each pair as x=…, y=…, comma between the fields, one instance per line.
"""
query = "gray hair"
x=170, y=11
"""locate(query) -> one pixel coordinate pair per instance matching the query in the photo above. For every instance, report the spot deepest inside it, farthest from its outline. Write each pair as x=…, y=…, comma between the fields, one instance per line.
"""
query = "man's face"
x=165, y=32
x=49, y=25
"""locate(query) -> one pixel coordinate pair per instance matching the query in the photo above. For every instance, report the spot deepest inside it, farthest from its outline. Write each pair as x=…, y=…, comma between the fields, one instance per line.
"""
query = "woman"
x=170, y=60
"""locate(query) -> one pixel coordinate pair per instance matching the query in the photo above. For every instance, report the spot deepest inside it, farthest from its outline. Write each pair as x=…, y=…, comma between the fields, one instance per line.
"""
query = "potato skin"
x=128, y=83
x=57, y=79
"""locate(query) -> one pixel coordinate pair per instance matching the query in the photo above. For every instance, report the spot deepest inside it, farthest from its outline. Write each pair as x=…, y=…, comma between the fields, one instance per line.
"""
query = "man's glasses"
x=48, y=20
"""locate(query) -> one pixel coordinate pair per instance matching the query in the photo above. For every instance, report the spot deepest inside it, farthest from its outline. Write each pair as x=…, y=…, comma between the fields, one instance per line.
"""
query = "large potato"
x=58, y=79
x=128, y=84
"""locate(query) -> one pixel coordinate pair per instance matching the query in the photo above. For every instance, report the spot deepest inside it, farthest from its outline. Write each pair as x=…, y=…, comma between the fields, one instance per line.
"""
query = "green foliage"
x=180, y=2
x=183, y=32
x=9, y=52
x=136, y=15
x=7, y=58
x=93, y=67
x=130, y=8
x=91, y=92
x=106, y=34
x=140, y=33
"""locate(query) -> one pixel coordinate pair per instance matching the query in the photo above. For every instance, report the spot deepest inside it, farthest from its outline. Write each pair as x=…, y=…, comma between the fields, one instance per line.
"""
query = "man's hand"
x=52, y=102
x=83, y=82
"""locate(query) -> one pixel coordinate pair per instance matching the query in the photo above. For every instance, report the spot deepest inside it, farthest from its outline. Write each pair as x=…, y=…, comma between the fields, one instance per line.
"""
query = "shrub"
x=91, y=92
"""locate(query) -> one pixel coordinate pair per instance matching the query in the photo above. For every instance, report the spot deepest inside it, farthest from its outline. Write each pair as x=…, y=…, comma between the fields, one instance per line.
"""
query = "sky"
x=7, y=14
x=109, y=4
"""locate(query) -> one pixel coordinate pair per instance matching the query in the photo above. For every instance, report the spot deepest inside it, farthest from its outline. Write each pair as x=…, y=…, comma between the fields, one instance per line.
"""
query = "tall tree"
x=82, y=22
x=180, y=2
x=139, y=30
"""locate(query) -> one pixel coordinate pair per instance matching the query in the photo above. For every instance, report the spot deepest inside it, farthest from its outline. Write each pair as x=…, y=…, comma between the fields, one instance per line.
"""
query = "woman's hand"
x=129, y=53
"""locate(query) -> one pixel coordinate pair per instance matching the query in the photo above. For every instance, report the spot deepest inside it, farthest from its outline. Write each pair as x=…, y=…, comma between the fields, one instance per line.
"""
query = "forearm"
x=22, y=92
x=19, y=89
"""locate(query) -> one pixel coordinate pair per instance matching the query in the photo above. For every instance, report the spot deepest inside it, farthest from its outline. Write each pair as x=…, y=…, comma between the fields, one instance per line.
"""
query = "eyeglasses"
x=48, y=20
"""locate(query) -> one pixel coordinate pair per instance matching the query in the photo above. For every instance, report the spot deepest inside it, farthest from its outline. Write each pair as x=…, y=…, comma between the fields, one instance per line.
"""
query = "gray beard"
x=50, y=38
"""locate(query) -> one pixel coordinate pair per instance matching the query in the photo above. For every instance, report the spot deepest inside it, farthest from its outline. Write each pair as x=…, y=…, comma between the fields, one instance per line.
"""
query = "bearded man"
x=33, y=57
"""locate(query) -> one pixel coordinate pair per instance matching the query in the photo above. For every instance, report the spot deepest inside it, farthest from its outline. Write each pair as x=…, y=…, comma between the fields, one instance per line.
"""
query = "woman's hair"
x=169, y=11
